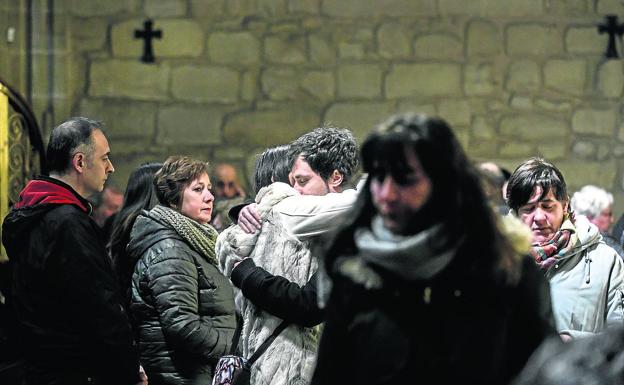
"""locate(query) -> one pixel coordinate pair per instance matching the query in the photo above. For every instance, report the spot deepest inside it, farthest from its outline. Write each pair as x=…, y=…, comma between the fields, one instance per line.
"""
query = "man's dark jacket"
x=64, y=292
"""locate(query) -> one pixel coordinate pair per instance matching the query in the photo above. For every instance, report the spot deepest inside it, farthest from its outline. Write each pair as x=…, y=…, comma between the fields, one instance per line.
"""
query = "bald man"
x=228, y=193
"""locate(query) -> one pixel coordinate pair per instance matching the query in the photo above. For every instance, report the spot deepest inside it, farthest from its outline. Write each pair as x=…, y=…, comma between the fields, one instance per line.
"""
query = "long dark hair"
x=457, y=201
x=140, y=195
x=273, y=165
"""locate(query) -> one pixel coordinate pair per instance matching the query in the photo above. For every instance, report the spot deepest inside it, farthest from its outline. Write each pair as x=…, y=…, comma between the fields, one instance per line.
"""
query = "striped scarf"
x=200, y=238
x=557, y=246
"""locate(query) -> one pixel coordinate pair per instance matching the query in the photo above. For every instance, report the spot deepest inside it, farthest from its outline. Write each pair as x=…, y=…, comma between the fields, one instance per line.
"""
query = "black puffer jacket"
x=182, y=306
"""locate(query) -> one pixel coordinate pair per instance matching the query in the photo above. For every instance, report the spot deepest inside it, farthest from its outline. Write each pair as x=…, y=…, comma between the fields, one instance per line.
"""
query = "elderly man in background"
x=228, y=193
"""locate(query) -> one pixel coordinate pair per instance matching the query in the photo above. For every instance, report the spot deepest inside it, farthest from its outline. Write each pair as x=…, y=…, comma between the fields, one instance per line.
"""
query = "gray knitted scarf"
x=201, y=238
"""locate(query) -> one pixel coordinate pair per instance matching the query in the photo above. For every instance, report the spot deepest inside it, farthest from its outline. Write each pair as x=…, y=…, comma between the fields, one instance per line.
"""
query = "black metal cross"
x=147, y=35
x=612, y=28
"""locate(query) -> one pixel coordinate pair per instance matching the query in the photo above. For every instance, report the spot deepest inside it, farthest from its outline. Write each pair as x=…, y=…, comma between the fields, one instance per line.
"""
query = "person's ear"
x=335, y=179
x=79, y=162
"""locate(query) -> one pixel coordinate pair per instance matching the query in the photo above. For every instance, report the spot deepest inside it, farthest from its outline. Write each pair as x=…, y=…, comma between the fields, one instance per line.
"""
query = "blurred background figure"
x=140, y=195
x=597, y=205
x=228, y=193
x=493, y=182
x=107, y=203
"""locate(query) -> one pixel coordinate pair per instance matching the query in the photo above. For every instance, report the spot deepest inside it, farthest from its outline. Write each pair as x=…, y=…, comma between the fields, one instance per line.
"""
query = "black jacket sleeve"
x=277, y=295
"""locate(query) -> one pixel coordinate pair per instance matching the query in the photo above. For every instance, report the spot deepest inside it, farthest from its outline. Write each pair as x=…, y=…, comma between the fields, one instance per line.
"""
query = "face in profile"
x=98, y=166
x=399, y=198
x=544, y=215
x=197, y=200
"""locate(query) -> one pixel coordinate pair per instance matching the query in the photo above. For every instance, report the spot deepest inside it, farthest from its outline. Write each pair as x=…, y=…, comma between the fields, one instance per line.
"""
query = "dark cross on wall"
x=147, y=35
x=613, y=29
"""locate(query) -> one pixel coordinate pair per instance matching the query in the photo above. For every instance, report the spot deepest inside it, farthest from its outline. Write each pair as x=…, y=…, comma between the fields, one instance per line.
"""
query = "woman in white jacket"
x=586, y=276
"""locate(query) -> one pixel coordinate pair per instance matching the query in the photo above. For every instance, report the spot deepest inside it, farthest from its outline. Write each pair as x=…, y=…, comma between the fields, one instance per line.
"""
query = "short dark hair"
x=66, y=138
x=327, y=149
x=176, y=174
x=530, y=174
x=273, y=165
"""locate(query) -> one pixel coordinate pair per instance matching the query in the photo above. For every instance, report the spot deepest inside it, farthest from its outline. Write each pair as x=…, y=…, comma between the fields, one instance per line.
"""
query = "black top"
x=277, y=295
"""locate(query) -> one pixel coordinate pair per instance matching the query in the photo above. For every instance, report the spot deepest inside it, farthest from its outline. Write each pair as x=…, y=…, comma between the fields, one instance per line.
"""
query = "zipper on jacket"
x=587, y=267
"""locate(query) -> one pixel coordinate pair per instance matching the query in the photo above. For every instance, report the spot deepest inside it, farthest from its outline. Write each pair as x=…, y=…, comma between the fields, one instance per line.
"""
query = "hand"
x=249, y=219
x=565, y=337
x=142, y=376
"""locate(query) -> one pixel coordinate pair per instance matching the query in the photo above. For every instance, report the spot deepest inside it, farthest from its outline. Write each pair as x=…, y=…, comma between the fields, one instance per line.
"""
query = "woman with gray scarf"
x=427, y=285
x=182, y=306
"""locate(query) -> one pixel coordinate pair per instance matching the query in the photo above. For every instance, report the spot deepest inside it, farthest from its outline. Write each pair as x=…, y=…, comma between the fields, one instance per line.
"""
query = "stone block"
x=567, y=76
x=521, y=102
x=88, y=34
x=478, y=79
x=533, y=127
x=567, y=7
x=523, y=76
x=360, y=118
x=455, y=112
x=304, y=6
x=280, y=83
x=180, y=38
x=584, y=41
x=584, y=149
x=438, y=46
x=122, y=119
x=241, y=8
x=92, y=8
x=272, y=8
x=491, y=7
x=230, y=153
x=264, y=128
x=321, y=50
x=594, y=121
x=394, y=41
x=482, y=129
x=249, y=86
x=482, y=39
x=182, y=125
x=349, y=50
x=164, y=8
x=580, y=172
x=409, y=106
x=516, y=150
x=482, y=148
x=359, y=80
x=117, y=78
x=603, y=151
x=205, y=84
x=533, y=39
x=354, y=9
x=604, y=7
x=233, y=48
x=553, y=105
x=427, y=79
x=207, y=9
x=611, y=78
x=320, y=84
x=285, y=49
x=553, y=151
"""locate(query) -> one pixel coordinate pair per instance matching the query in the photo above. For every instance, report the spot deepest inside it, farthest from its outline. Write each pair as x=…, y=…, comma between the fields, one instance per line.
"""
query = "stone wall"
x=514, y=78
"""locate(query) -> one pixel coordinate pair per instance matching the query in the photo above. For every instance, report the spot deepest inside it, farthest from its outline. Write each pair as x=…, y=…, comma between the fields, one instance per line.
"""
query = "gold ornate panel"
x=21, y=150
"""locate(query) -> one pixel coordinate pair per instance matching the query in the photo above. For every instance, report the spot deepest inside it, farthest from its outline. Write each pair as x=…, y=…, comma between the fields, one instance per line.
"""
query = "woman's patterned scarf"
x=200, y=238
x=548, y=252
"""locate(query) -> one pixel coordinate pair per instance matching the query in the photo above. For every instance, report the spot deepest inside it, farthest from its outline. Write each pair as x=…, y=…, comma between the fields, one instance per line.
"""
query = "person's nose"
x=208, y=197
x=298, y=188
x=111, y=168
x=539, y=215
x=388, y=190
